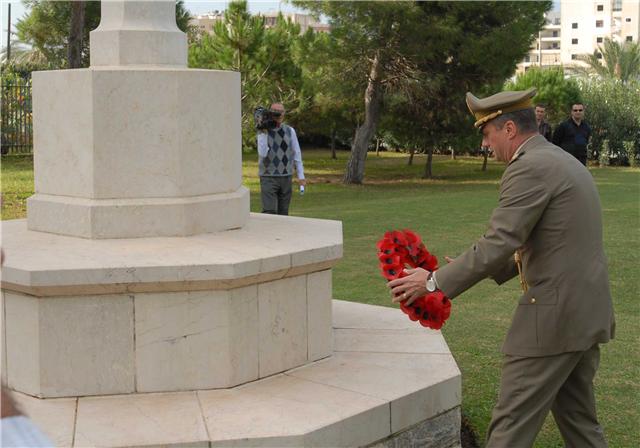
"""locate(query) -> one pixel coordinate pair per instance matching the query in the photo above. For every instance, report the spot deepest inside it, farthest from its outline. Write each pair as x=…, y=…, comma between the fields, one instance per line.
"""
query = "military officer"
x=549, y=217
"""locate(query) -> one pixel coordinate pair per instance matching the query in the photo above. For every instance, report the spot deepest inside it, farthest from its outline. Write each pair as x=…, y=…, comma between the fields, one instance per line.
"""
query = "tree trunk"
x=486, y=156
x=453, y=153
x=76, y=30
x=372, y=102
x=412, y=151
x=333, y=142
x=427, y=167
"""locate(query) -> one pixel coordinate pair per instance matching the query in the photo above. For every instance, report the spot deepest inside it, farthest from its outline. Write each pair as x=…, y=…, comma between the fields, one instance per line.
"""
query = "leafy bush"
x=553, y=89
x=613, y=112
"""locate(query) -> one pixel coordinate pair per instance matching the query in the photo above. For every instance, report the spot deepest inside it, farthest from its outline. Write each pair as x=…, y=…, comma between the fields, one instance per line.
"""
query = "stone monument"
x=142, y=302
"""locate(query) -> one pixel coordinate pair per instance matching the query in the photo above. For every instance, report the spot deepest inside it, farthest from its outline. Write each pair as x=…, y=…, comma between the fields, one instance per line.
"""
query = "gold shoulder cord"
x=523, y=281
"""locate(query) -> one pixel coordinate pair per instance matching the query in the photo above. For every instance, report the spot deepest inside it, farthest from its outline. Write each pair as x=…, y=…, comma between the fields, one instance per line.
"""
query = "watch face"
x=431, y=285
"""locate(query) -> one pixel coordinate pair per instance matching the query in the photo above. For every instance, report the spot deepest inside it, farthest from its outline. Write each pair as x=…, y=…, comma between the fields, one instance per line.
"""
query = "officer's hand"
x=409, y=288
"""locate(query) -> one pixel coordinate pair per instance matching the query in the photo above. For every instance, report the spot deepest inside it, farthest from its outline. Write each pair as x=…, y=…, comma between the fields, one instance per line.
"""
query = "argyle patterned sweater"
x=279, y=159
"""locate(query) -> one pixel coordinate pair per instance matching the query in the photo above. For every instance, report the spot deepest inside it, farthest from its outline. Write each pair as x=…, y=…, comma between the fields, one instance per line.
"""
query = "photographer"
x=278, y=150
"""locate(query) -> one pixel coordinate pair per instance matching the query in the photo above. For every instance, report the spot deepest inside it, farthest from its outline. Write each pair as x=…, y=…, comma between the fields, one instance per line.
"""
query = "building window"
x=574, y=25
x=599, y=23
x=599, y=40
x=600, y=7
x=599, y=55
x=555, y=34
x=527, y=59
x=617, y=5
x=554, y=45
x=629, y=38
x=574, y=41
x=628, y=19
x=574, y=57
x=556, y=22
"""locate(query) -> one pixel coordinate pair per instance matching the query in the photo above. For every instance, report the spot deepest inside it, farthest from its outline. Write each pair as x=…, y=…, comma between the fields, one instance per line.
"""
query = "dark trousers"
x=275, y=192
x=579, y=152
x=531, y=387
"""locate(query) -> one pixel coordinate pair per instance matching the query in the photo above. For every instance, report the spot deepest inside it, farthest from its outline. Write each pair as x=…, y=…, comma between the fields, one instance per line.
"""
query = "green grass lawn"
x=450, y=212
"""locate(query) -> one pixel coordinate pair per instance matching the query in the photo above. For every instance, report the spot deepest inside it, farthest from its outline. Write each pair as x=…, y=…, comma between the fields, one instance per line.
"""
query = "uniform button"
x=533, y=300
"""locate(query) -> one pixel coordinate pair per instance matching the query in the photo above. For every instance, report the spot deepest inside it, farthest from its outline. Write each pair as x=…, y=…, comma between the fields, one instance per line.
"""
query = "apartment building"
x=205, y=22
x=579, y=28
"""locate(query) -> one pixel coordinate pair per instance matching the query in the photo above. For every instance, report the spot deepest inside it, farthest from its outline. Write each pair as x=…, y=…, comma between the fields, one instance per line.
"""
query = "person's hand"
x=302, y=182
x=409, y=288
x=449, y=259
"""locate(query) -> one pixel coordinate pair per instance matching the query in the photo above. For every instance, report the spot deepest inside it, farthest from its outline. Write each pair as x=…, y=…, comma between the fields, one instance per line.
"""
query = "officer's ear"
x=511, y=129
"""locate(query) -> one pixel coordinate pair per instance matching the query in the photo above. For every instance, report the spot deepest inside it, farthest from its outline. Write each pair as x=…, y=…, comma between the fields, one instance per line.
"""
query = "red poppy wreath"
x=400, y=248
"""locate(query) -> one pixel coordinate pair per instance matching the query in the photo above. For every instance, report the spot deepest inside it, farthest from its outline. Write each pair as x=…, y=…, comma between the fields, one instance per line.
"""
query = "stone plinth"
x=133, y=152
x=96, y=317
x=138, y=32
x=376, y=389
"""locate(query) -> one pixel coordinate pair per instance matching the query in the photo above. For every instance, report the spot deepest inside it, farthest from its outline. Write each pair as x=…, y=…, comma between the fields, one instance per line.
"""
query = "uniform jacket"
x=549, y=208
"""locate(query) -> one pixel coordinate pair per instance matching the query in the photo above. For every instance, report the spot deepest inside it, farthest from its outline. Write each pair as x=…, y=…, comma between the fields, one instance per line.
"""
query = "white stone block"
x=416, y=340
x=23, y=342
x=141, y=420
x=138, y=33
x=70, y=346
x=282, y=309
x=319, y=290
x=131, y=218
x=426, y=403
x=361, y=315
x=55, y=417
x=287, y=411
x=44, y=264
x=155, y=163
x=196, y=340
x=413, y=383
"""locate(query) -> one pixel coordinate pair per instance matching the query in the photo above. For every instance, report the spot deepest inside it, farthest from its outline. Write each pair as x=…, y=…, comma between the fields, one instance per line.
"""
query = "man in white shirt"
x=278, y=151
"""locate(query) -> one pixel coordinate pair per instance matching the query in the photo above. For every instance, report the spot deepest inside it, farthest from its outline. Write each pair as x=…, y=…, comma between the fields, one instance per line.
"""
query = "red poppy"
x=400, y=248
x=398, y=238
x=392, y=271
x=413, y=242
x=386, y=246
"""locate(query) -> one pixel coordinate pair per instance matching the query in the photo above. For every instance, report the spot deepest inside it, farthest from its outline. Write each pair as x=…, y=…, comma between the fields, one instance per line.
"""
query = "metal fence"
x=17, y=123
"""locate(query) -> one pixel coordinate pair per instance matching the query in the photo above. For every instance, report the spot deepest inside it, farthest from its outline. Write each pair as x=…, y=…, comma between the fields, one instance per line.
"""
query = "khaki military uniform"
x=549, y=212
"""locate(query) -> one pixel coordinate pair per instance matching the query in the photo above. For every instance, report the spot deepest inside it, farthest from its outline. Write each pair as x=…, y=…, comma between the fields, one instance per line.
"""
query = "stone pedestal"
x=124, y=152
x=96, y=317
x=137, y=145
x=389, y=383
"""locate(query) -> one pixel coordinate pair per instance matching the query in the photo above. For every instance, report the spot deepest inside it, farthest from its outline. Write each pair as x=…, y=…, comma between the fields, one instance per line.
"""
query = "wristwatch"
x=430, y=284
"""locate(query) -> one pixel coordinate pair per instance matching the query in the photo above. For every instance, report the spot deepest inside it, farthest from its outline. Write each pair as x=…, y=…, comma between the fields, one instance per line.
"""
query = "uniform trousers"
x=530, y=387
x=275, y=192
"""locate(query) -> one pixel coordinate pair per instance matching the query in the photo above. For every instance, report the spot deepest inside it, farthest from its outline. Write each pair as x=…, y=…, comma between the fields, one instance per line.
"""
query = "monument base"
x=116, y=316
x=389, y=383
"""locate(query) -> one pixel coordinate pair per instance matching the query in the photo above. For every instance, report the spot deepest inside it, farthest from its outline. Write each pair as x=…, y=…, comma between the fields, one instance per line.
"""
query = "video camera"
x=265, y=118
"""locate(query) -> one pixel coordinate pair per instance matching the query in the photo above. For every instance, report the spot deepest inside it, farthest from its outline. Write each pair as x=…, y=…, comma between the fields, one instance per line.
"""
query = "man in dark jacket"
x=544, y=128
x=573, y=134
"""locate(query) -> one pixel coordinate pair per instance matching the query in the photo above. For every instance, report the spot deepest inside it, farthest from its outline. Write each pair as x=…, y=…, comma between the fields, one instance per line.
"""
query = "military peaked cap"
x=487, y=109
